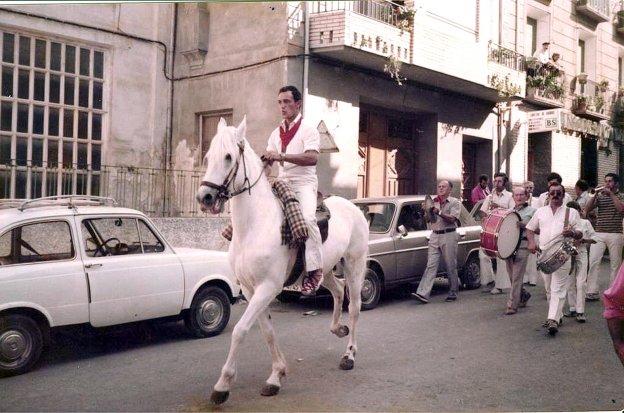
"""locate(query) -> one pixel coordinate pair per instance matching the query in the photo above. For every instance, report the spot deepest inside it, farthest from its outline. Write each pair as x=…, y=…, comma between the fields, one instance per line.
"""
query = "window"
x=111, y=236
x=580, y=60
x=52, y=105
x=531, y=36
x=119, y=236
x=149, y=240
x=208, y=128
x=379, y=216
x=40, y=242
x=412, y=218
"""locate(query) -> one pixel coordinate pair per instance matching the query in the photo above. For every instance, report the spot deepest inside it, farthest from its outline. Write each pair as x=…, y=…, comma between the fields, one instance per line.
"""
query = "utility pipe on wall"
x=306, y=52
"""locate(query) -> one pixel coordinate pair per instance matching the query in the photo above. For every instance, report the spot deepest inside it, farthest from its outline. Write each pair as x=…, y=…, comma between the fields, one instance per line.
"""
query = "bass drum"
x=500, y=236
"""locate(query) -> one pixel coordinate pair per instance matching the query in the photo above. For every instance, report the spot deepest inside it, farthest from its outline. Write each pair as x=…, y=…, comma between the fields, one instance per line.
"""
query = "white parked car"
x=76, y=260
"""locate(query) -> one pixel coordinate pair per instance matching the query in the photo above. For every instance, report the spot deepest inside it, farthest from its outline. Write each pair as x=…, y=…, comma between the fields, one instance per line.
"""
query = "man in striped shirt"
x=610, y=204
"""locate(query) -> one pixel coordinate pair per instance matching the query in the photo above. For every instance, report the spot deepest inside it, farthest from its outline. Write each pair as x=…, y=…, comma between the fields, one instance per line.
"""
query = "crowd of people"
x=590, y=220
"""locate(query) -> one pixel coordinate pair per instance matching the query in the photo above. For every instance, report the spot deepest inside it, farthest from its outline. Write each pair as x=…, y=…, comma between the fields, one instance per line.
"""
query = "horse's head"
x=222, y=162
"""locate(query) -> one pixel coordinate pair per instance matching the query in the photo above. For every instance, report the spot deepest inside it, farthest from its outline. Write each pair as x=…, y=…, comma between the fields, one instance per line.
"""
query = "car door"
x=132, y=274
x=411, y=247
x=40, y=266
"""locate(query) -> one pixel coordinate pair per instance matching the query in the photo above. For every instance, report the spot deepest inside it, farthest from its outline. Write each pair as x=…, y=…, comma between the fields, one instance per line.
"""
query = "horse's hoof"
x=219, y=397
x=346, y=363
x=343, y=331
x=270, y=390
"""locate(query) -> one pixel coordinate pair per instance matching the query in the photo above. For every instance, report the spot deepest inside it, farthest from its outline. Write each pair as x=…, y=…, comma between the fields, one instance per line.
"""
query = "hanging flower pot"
x=581, y=103
x=582, y=78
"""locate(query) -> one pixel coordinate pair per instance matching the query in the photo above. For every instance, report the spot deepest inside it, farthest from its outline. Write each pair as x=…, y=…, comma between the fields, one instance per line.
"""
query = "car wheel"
x=471, y=274
x=21, y=344
x=371, y=290
x=288, y=297
x=209, y=312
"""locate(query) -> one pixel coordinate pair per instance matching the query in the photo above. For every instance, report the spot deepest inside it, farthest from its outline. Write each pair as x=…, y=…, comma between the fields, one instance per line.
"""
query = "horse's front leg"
x=278, y=366
x=258, y=303
x=336, y=288
x=354, y=276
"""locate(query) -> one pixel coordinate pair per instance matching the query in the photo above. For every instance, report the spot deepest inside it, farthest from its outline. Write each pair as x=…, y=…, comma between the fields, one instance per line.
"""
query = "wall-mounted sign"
x=544, y=120
x=562, y=120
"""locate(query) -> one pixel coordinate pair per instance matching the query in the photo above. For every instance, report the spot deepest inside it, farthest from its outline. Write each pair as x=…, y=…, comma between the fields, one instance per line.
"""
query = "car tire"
x=371, y=290
x=209, y=312
x=287, y=297
x=21, y=344
x=471, y=273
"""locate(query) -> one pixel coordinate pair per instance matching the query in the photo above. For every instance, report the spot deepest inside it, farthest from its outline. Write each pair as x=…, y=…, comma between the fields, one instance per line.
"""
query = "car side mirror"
x=402, y=230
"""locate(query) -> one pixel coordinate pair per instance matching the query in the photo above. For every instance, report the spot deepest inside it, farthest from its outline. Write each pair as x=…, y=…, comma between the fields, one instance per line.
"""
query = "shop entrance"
x=589, y=161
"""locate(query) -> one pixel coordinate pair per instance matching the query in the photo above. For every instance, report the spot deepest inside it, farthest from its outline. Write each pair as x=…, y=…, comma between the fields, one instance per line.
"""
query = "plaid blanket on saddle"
x=294, y=228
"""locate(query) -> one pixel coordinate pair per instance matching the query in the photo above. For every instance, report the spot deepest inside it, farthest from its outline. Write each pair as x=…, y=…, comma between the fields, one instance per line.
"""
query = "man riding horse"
x=295, y=146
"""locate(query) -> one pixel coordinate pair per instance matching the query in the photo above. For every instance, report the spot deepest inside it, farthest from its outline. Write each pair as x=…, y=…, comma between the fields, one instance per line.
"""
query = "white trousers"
x=578, y=282
x=531, y=272
x=306, y=194
x=614, y=242
x=500, y=278
x=559, y=281
x=445, y=246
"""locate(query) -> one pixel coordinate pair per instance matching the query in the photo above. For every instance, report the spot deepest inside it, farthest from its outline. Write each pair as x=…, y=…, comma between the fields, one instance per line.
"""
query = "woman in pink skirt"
x=614, y=312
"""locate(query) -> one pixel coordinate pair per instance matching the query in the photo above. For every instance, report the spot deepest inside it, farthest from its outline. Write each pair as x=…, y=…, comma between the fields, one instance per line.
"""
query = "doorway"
x=476, y=161
x=589, y=161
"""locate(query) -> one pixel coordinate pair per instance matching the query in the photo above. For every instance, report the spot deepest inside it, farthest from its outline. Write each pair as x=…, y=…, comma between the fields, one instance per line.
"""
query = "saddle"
x=322, y=220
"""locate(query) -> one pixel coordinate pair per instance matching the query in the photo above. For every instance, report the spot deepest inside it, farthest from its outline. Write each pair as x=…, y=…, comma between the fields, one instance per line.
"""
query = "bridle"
x=223, y=190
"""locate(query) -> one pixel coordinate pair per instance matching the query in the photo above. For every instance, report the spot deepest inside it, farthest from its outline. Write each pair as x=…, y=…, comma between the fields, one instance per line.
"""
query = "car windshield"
x=379, y=215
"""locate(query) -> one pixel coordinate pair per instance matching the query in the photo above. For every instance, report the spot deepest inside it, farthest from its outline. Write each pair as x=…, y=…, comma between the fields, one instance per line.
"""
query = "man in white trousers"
x=554, y=221
x=610, y=211
x=530, y=275
x=499, y=198
x=296, y=145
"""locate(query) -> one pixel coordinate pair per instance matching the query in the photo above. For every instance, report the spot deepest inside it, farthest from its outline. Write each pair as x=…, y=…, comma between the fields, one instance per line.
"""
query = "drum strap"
x=567, y=217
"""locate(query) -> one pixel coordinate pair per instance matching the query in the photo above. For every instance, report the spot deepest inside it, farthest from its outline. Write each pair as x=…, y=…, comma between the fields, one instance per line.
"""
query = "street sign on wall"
x=544, y=120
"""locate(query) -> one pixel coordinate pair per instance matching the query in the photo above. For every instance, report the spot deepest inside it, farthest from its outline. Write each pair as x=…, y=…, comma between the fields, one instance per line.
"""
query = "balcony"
x=595, y=10
x=592, y=100
x=506, y=70
x=545, y=88
x=344, y=29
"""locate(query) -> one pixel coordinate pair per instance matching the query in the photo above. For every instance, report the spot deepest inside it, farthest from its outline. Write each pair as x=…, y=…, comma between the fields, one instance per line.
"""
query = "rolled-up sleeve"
x=311, y=140
x=272, y=144
x=533, y=223
x=455, y=209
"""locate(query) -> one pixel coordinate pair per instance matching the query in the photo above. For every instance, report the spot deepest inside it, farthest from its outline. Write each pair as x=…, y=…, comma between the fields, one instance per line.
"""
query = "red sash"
x=287, y=135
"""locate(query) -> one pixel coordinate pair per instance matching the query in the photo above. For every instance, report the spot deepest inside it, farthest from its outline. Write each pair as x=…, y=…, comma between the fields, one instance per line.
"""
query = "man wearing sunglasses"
x=609, y=203
x=553, y=221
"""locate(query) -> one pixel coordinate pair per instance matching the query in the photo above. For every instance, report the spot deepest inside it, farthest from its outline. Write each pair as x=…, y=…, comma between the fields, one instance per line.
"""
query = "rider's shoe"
x=311, y=283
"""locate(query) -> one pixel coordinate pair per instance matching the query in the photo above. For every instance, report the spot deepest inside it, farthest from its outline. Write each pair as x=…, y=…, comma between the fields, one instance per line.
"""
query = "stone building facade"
x=404, y=99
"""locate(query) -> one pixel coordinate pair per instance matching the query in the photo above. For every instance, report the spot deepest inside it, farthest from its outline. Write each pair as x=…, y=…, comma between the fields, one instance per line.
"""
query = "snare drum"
x=555, y=257
x=500, y=236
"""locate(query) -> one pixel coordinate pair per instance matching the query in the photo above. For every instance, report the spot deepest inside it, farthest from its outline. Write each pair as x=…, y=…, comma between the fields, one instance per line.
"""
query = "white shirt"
x=551, y=225
x=533, y=201
x=307, y=138
x=586, y=228
x=541, y=201
x=583, y=199
x=503, y=200
x=542, y=55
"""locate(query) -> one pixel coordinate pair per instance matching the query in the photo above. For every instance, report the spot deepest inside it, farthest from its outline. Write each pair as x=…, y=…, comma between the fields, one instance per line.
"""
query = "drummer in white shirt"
x=549, y=221
x=499, y=198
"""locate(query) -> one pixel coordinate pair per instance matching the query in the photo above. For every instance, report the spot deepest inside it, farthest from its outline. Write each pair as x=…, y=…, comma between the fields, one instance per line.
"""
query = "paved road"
x=441, y=356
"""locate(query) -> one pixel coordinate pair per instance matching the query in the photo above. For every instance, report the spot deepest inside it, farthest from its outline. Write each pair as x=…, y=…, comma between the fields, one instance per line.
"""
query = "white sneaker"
x=496, y=291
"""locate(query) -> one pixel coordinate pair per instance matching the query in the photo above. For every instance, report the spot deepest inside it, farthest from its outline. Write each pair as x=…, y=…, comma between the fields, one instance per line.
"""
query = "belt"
x=444, y=231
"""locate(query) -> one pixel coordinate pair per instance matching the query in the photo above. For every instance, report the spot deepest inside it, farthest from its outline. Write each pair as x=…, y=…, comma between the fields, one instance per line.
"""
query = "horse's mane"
x=229, y=144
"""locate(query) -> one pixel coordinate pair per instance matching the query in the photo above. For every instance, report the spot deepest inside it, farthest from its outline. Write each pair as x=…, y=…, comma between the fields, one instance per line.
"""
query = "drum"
x=554, y=258
x=500, y=236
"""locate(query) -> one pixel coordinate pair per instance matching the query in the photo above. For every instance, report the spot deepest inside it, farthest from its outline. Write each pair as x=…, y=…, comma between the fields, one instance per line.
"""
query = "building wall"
x=136, y=91
x=607, y=163
x=566, y=155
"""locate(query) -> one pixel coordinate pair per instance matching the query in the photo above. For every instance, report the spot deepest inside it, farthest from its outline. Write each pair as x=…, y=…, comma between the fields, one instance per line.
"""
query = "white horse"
x=260, y=261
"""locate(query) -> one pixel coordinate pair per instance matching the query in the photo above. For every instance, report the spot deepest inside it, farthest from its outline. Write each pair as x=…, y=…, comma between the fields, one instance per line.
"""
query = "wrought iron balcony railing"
x=506, y=57
x=380, y=10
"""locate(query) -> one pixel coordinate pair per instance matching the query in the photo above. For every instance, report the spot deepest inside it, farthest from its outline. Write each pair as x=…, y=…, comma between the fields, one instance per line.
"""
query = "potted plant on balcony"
x=553, y=88
x=405, y=19
x=598, y=104
x=582, y=78
x=603, y=85
x=580, y=103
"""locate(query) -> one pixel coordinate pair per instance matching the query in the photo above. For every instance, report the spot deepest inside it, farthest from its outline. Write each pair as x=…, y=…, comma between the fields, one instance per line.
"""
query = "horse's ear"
x=222, y=124
x=241, y=130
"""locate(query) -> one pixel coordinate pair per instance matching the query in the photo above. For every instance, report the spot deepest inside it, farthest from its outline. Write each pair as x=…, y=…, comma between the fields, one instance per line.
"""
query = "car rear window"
x=378, y=215
x=37, y=242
